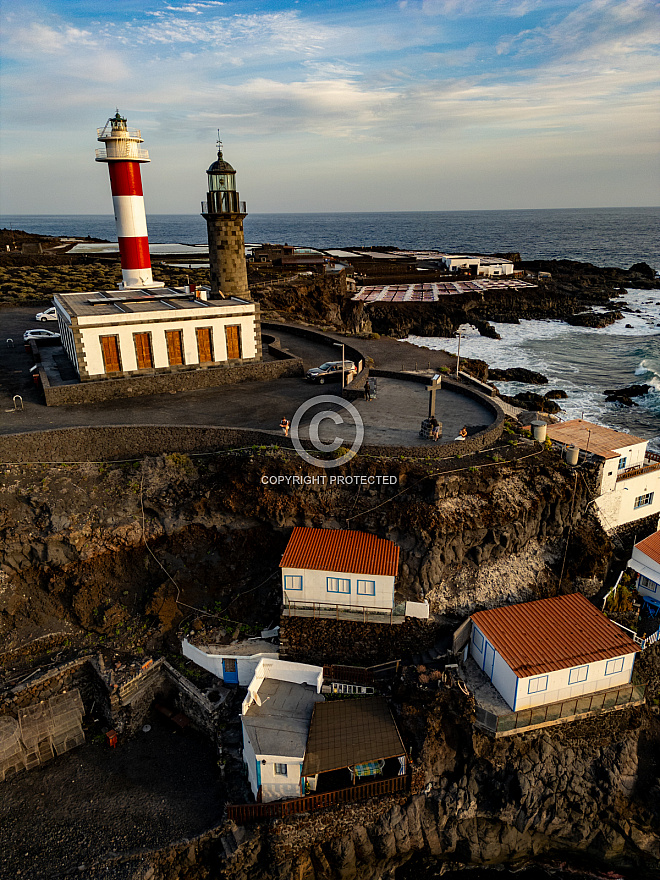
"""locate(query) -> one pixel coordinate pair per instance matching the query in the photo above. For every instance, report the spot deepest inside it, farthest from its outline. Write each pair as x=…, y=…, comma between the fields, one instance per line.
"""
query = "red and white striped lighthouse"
x=123, y=156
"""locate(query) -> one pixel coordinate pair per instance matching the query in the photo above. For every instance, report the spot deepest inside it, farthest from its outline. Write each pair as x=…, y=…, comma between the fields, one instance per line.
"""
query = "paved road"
x=392, y=419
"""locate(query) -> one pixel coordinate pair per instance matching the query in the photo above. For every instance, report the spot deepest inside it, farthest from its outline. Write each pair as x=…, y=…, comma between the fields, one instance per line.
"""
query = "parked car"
x=40, y=335
x=48, y=315
x=331, y=372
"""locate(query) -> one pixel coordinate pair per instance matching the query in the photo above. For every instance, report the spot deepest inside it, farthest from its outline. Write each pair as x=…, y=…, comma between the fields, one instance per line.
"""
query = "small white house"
x=645, y=560
x=629, y=485
x=113, y=334
x=339, y=568
x=235, y=663
x=550, y=650
x=275, y=718
x=488, y=266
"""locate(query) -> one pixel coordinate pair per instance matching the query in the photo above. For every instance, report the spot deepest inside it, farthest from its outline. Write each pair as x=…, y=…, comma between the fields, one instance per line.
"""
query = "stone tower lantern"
x=224, y=213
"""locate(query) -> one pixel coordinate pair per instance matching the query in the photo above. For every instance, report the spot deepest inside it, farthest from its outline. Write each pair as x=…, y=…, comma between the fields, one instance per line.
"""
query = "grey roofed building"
x=279, y=722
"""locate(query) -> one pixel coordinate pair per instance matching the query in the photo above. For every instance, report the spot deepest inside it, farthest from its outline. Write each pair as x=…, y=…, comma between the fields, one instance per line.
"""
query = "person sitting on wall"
x=435, y=433
x=285, y=425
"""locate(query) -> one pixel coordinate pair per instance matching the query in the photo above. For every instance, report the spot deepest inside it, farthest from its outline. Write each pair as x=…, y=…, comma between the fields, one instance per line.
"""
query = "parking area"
x=393, y=418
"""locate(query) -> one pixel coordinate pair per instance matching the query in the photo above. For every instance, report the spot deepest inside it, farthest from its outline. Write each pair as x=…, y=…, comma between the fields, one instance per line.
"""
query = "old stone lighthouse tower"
x=224, y=215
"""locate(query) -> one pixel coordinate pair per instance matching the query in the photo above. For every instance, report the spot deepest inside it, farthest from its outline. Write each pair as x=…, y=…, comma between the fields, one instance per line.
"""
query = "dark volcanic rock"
x=644, y=270
x=518, y=374
x=629, y=391
x=529, y=400
x=620, y=398
x=555, y=394
x=593, y=319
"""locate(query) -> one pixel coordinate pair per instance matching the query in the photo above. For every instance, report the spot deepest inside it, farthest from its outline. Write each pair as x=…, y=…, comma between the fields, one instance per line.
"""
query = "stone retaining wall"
x=167, y=382
x=72, y=674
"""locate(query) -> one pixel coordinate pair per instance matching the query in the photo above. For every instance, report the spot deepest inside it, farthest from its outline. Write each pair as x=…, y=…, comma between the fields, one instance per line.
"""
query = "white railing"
x=127, y=132
x=123, y=151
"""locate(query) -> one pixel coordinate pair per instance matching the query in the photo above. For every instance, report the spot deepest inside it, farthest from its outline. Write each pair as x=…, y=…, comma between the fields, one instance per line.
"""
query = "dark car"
x=331, y=372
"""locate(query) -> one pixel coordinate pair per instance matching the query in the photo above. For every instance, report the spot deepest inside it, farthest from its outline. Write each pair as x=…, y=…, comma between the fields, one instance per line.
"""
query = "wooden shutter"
x=233, y=334
x=110, y=351
x=174, y=347
x=204, y=345
x=145, y=360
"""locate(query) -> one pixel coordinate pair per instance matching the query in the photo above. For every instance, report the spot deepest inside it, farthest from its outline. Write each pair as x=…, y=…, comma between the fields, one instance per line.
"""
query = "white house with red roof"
x=550, y=650
x=629, y=484
x=333, y=569
x=645, y=560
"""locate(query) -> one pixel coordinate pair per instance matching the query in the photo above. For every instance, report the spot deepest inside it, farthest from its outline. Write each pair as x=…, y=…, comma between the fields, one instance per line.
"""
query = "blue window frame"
x=339, y=585
x=614, y=666
x=280, y=769
x=644, y=500
x=366, y=588
x=622, y=462
x=293, y=582
x=578, y=674
x=648, y=584
x=536, y=685
x=477, y=640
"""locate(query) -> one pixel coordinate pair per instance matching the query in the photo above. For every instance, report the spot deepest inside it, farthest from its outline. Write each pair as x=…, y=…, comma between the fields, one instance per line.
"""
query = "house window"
x=649, y=585
x=614, y=666
x=622, y=462
x=366, y=588
x=578, y=674
x=644, y=500
x=280, y=769
x=536, y=685
x=293, y=582
x=477, y=640
x=339, y=585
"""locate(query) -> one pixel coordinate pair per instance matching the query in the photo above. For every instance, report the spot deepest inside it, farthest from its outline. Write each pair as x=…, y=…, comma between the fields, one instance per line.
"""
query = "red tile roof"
x=650, y=546
x=551, y=634
x=595, y=438
x=341, y=551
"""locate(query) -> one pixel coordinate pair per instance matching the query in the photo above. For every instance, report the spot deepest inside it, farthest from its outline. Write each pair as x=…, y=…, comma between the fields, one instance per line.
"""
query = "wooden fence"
x=243, y=813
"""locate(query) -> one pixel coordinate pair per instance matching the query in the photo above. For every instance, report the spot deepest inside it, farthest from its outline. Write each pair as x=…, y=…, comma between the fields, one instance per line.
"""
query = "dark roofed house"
x=354, y=740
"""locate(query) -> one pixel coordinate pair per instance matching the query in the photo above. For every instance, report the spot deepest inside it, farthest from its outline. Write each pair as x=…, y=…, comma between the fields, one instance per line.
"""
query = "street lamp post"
x=343, y=375
x=458, y=354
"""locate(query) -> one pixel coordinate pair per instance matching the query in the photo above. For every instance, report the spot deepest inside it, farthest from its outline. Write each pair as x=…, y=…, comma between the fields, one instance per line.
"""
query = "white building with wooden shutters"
x=550, y=650
x=114, y=334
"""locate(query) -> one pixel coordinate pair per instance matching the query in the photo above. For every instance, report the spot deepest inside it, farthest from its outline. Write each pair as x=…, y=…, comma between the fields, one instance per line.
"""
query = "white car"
x=40, y=335
x=48, y=315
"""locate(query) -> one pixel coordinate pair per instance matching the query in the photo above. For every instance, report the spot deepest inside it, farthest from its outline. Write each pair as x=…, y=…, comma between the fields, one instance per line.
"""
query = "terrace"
x=651, y=463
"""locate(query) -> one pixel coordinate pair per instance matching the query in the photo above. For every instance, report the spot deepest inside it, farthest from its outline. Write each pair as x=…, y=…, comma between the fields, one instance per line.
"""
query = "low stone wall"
x=350, y=352
x=73, y=674
x=167, y=382
x=309, y=640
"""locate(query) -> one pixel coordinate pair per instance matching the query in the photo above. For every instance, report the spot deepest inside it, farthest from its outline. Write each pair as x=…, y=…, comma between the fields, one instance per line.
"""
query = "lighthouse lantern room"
x=224, y=213
x=123, y=155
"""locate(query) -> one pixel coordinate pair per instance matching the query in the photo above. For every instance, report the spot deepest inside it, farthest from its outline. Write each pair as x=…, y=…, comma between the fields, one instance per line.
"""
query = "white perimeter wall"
x=283, y=670
x=315, y=589
x=245, y=665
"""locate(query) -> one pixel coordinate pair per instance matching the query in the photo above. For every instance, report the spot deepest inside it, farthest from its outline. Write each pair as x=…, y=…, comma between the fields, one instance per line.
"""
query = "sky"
x=358, y=105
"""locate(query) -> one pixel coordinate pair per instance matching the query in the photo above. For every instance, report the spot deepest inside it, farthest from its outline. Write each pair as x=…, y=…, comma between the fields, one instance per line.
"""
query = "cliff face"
x=107, y=546
x=123, y=552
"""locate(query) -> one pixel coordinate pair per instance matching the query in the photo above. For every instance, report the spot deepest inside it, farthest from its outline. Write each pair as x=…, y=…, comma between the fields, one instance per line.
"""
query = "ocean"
x=581, y=361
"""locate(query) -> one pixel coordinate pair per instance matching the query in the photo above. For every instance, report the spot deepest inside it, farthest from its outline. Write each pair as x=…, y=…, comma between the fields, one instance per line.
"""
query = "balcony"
x=121, y=150
x=223, y=203
x=133, y=133
x=333, y=611
x=651, y=463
